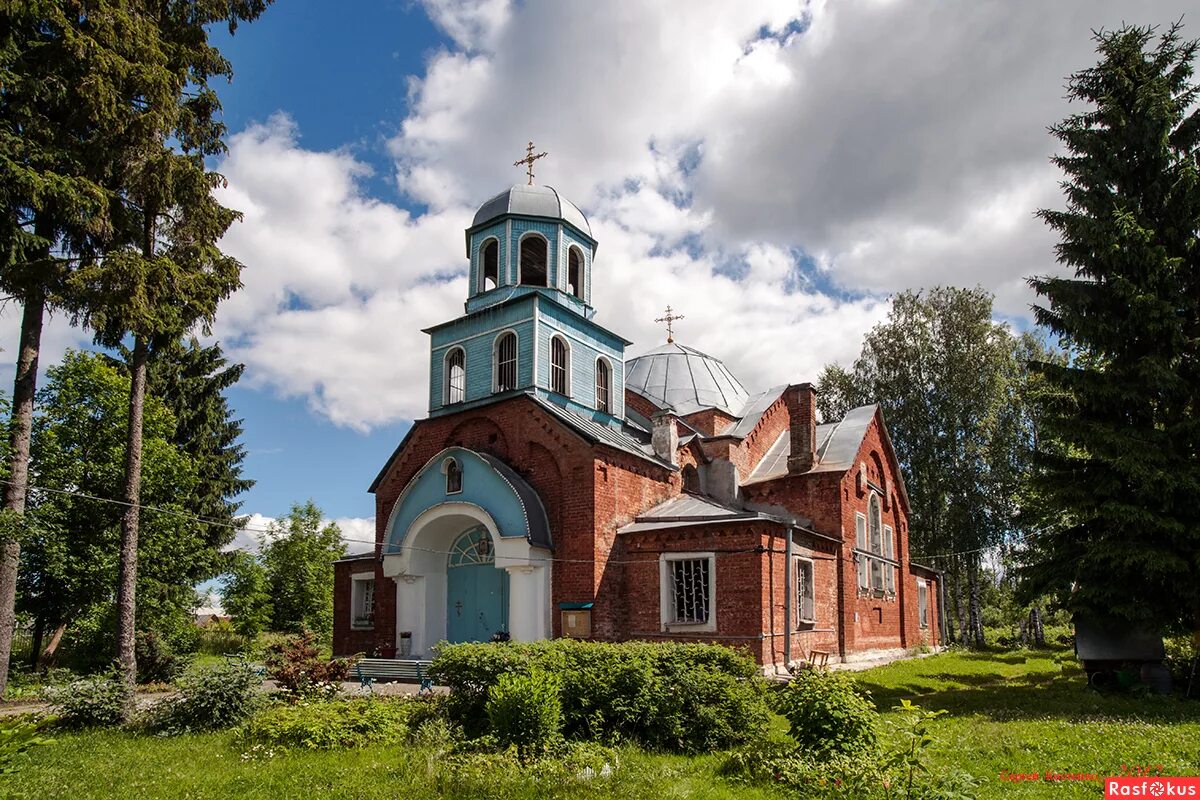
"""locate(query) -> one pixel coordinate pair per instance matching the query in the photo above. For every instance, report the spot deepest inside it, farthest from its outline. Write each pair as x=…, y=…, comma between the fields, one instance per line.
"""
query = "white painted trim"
x=567, y=345
x=446, y=375
x=508, y=265
x=520, y=242
x=537, y=340
x=496, y=360
x=479, y=277
x=582, y=269
x=664, y=594
x=362, y=576
x=798, y=615
x=601, y=358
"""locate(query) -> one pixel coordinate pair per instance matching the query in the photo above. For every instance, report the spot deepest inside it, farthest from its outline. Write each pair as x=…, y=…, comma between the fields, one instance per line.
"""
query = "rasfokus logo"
x=1151, y=787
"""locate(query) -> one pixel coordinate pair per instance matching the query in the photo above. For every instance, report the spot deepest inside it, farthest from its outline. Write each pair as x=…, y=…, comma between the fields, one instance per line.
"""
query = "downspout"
x=787, y=601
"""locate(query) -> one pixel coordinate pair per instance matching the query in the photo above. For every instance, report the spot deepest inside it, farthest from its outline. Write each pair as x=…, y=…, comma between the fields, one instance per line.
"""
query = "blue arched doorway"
x=476, y=592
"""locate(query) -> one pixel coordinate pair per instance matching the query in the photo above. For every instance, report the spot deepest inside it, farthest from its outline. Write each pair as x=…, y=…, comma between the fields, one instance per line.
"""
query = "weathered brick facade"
x=590, y=491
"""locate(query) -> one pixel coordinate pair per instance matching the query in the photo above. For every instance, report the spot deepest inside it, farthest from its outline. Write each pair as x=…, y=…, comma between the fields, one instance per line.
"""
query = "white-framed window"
x=575, y=271
x=489, y=265
x=805, y=590
x=875, y=545
x=860, y=542
x=560, y=365
x=603, y=386
x=454, y=477
x=455, y=390
x=535, y=259
x=362, y=600
x=505, y=358
x=688, y=591
x=923, y=603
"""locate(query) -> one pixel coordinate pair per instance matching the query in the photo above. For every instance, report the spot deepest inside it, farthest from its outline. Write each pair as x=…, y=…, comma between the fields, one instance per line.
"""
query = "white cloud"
x=358, y=533
x=774, y=171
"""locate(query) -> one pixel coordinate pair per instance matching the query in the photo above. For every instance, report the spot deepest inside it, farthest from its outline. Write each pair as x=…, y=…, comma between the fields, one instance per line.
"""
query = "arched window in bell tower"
x=535, y=252
x=575, y=272
x=489, y=273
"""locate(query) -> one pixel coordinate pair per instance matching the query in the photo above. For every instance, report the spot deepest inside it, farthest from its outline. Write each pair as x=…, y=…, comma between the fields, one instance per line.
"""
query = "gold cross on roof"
x=670, y=318
x=528, y=160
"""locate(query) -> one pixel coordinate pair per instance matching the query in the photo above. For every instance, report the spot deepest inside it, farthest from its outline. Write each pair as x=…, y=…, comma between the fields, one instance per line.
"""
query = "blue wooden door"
x=476, y=592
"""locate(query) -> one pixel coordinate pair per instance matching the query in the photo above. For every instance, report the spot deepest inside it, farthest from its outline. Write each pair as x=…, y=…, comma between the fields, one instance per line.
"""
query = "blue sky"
x=774, y=171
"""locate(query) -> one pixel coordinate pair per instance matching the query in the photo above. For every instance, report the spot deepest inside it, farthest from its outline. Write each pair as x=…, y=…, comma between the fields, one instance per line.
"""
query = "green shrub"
x=1181, y=651
x=219, y=638
x=302, y=672
x=826, y=713
x=157, y=659
x=329, y=725
x=17, y=737
x=96, y=702
x=681, y=697
x=209, y=698
x=524, y=710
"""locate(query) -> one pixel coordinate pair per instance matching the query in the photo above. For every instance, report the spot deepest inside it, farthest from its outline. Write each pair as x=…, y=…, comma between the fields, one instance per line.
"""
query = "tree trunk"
x=16, y=489
x=127, y=574
x=976, y=609
x=49, y=657
x=1035, y=625
x=960, y=608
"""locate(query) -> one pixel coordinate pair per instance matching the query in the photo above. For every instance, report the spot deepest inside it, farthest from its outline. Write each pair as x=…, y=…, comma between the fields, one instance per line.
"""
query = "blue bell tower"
x=528, y=326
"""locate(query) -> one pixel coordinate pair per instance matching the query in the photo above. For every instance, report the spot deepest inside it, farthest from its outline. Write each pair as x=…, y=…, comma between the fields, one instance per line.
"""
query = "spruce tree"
x=1116, y=495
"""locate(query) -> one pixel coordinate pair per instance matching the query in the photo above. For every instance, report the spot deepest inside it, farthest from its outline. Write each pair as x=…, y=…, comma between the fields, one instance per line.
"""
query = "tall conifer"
x=1117, y=498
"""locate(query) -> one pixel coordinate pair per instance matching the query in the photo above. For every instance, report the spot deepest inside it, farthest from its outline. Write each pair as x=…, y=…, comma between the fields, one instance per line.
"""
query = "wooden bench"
x=384, y=670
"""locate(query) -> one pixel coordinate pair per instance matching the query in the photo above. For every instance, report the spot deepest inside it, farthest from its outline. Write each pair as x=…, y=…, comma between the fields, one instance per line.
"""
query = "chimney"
x=665, y=436
x=802, y=422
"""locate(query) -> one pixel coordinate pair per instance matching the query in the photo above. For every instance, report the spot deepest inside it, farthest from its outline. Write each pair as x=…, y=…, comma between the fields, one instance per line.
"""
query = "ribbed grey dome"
x=685, y=381
x=532, y=201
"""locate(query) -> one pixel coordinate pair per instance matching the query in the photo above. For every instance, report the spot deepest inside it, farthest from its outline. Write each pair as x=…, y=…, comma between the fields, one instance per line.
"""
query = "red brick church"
x=558, y=488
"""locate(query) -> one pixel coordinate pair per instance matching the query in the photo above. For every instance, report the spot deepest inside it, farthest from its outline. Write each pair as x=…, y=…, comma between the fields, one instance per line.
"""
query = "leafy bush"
x=898, y=771
x=682, y=697
x=297, y=665
x=96, y=702
x=329, y=725
x=157, y=659
x=209, y=698
x=219, y=638
x=826, y=712
x=1181, y=651
x=16, y=738
x=525, y=711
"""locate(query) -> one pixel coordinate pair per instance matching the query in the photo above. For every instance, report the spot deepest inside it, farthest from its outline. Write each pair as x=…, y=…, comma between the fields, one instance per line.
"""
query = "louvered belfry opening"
x=534, y=258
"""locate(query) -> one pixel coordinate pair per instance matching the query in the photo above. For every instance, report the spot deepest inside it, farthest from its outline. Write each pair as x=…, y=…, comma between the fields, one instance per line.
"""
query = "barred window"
x=506, y=362
x=560, y=365
x=689, y=590
x=603, y=384
x=805, y=591
x=456, y=376
x=490, y=274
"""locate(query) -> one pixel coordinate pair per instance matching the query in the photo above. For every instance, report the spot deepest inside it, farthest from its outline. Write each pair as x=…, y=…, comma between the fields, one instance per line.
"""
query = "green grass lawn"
x=1018, y=713
x=1029, y=712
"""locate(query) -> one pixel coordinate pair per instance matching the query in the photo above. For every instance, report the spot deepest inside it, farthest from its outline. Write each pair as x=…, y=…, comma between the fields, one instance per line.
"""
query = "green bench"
x=385, y=670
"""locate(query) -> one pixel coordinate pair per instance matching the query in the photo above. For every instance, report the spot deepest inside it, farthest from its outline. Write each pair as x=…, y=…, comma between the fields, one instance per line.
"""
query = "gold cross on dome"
x=670, y=318
x=528, y=160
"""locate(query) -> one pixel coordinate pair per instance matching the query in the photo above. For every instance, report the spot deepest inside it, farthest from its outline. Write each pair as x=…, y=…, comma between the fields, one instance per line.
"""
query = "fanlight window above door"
x=473, y=547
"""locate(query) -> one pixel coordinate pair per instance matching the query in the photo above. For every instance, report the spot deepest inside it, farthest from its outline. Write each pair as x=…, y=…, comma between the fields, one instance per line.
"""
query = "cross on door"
x=458, y=609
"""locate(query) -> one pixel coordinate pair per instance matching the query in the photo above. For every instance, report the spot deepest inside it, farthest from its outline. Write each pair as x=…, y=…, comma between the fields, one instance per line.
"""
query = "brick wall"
x=348, y=640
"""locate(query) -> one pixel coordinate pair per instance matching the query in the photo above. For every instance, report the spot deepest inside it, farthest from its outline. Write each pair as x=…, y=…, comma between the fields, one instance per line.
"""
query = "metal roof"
x=837, y=445
x=684, y=380
x=690, y=509
x=535, y=512
x=628, y=439
x=532, y=201
x=755, y=407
